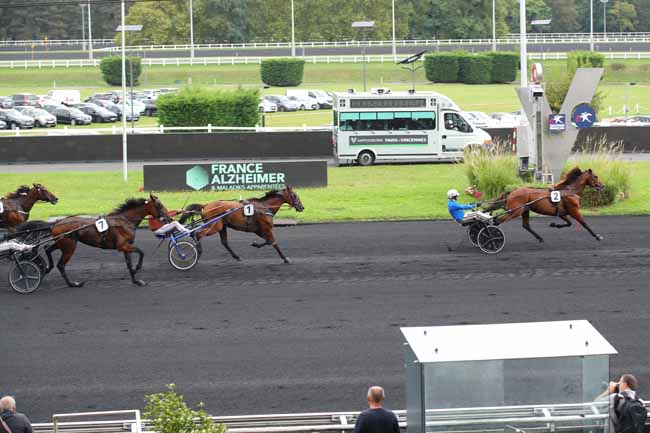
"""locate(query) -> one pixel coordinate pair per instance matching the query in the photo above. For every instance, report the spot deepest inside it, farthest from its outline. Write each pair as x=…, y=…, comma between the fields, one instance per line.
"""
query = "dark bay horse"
x=17, y=205
x=522, y=201
x=260, y=223
x=120, y=235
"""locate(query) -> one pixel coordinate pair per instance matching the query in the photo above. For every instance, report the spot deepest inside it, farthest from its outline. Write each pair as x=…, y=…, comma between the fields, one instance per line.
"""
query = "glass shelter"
x=518, y=376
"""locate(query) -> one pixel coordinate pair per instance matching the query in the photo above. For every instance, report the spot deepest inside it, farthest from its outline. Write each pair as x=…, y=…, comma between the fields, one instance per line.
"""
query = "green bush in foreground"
x=169, y=413
x=442, y=67
x=491, y=171
x=199, y=107
x=282, y=72
x=111, y=68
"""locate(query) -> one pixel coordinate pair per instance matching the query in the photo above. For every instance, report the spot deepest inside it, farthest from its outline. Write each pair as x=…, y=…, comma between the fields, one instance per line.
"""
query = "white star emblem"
x=557, y=119
x=585, y=117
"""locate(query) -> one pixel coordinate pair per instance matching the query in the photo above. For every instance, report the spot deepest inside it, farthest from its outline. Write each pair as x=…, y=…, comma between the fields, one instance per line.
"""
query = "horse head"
x=591, y=179
x=43, y=194
x=157, y=209
x=292, y=199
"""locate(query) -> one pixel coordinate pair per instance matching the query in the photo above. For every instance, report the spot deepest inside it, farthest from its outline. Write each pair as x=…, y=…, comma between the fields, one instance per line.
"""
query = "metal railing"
x=198, y=61
x=55, y=42
x=537, y=418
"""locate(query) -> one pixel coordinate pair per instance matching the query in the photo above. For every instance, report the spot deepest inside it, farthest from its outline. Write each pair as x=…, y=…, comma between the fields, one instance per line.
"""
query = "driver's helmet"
x=452, y=194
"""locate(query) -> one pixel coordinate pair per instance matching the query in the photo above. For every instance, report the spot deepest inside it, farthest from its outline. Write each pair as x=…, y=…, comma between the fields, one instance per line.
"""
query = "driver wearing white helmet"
x=457, y=210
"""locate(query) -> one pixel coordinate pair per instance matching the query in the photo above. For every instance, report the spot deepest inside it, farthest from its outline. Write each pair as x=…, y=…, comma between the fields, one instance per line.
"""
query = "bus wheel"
x=366, y=158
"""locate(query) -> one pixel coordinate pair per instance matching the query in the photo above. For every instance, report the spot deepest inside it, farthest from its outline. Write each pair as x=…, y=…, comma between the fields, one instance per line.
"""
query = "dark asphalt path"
x=263, y=337
x=328, y=51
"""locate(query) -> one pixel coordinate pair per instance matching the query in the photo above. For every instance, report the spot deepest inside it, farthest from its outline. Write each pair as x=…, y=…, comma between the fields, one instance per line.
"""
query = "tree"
x=565, y=16
x=622, y=17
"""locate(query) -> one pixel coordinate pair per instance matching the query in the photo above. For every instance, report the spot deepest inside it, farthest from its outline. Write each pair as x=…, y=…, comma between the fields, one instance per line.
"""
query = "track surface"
x=263, y=337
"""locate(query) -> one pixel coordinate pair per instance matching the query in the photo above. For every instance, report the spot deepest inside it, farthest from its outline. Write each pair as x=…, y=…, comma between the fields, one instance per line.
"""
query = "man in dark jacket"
x=13, y=421
x=376, y=419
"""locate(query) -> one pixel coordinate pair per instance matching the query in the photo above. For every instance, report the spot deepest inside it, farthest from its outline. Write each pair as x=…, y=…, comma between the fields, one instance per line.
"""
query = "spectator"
x=376, y=419
x=626, y=411
x=12, y=421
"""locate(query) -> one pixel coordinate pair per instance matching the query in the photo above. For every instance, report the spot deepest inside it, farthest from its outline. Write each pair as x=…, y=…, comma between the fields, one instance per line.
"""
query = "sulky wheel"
x=491, y=239
x=472, y=233
x=24, y=277
x=183, y=255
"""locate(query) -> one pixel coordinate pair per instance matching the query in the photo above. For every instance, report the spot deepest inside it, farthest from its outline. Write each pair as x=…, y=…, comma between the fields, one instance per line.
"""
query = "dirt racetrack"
x=263, y=337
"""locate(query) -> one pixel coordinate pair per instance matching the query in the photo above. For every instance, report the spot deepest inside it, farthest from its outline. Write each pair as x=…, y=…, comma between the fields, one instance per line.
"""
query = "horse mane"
x=270, y=194
x=570, y=178
x=128, y=204
x=22, y=190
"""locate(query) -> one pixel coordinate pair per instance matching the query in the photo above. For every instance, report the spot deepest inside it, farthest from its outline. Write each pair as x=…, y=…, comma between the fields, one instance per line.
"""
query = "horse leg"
x=525, y=223
x=67, y=247
x=561, y=226
x=575, y=213
x=270, y=240
x=127, y=250
x=224, y=241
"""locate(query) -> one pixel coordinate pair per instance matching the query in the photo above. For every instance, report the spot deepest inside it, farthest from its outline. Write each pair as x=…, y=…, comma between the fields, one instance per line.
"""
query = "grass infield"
x=398, y=192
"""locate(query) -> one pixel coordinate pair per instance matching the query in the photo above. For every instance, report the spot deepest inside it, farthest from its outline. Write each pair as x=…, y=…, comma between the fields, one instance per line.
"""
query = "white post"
x=83, y=27
x=191, y=30
x=394, y=42
x=124, y=145
x=604, y=20
x=90, y=34
x=494, y=25
x=522, y=43
x=591, y=25
x=293, y=32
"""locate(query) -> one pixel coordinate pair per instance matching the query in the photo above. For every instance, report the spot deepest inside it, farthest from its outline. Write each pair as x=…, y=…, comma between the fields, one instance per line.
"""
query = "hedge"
x=282, y=72
x=111, y=68
x=504, y=66
x=441, y=67
x=584, y=59
x=476, y=69
x=199, y=107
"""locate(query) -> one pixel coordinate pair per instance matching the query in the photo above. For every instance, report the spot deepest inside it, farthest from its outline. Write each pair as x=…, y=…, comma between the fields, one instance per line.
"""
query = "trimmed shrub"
x=111, y=68
x=476, y=69
x=504, y=66
x=442, y=67
x=199, y=107
x=584, y=59
x=282, y=72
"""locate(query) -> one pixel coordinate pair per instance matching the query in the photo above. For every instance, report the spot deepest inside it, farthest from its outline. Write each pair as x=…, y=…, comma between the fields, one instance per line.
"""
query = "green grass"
x=334, y=77
x=399, y=192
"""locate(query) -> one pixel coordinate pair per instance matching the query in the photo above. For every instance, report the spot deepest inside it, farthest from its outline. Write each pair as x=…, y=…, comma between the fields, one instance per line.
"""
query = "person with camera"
x=627, y=413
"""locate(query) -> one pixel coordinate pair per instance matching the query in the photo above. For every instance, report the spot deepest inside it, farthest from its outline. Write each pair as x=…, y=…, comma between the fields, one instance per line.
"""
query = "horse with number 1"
x=115, y=231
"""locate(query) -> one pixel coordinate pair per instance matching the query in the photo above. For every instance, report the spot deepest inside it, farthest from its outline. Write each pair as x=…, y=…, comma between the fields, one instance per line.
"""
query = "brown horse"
x=260, y=223
x=120, y=234
x=523, y=200
x=17, y=205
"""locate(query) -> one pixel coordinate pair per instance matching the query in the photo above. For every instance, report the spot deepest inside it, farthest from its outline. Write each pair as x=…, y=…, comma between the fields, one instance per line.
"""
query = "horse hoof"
x=140, y=283
x=287, y=261
x=599, y=238
x=76, y=284
x=541, y=241
x=237, y=258
x=551, y=225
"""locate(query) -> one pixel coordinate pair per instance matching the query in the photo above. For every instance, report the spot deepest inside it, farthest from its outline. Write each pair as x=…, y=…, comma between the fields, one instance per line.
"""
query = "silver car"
x=41, y=117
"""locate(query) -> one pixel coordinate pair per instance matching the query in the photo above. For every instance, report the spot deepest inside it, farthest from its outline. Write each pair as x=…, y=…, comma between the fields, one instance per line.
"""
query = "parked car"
x=41, y=117
x=168, y=90
x=138, y=106
x=15, y=119
x=150, y=107
x=115, y=108
x=66, y=97
x=266, y=106
x=97, y=114
x=151, y=93
x=283, y=103
x=6, y=102
x=3, y=125
x=109, y=96
x=50, y=107
x=480, y=119
x=505, y=120
x=25, y=99
x=305, y=103
x=321, y=97
x=72, y=116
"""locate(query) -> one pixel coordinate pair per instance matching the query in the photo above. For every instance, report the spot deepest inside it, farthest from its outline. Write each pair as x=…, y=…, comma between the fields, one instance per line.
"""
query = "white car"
x=321, y=97
x=41, y=117
x=305, y=103
x=138, y=106
x=505, y=120
x=267, y=106
x=479, y=119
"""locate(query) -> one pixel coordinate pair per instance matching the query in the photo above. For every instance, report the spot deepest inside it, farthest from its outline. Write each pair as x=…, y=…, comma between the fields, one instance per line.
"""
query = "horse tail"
x=498, y=203
x=189, y=210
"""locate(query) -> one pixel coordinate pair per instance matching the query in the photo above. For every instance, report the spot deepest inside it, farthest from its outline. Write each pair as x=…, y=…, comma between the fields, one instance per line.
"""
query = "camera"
x=537, y=91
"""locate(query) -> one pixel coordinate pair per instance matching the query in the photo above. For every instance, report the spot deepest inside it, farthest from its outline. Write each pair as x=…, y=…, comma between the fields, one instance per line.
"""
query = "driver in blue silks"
x=457, y=210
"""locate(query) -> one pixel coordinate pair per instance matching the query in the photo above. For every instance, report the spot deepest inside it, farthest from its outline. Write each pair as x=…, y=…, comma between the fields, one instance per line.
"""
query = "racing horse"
x=120, y=228
x=17, y=205
x=260, y=223
x=522, y=201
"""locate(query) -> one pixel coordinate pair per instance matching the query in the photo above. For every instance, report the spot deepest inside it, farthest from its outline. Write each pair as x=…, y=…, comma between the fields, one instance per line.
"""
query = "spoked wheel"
x=24, y=277
x=491, y=239
x=183, y=255
x=472, y=233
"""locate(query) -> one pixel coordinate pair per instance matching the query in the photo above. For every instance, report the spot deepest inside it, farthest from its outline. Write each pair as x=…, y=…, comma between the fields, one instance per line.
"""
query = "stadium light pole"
x=83, y=26
x=591, y=25
x=293, y=31
x=368, y=26
x=394, y=42
x=90, y=34
x=494, y=25
x=522, y=43
x=604, y=2
x=191, y=30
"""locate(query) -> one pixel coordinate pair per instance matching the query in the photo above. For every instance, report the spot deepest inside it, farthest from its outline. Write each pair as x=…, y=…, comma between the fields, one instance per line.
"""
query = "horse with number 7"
x=115, y=231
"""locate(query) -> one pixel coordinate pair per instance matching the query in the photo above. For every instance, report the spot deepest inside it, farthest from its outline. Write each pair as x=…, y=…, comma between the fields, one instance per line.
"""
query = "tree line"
x=232, y=21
